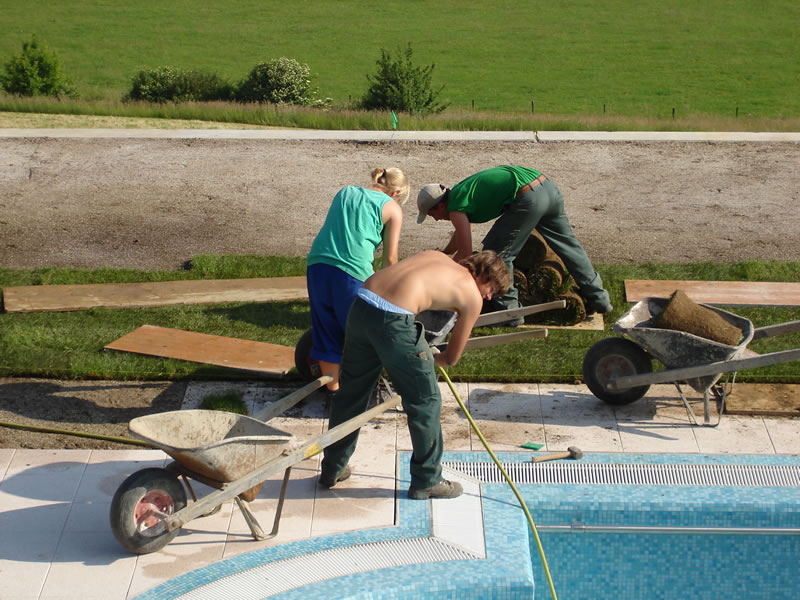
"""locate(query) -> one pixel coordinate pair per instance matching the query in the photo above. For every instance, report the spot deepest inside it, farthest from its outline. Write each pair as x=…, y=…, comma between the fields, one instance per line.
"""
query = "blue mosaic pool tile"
x=624, y=566
x=670, y=567
x=597, y=565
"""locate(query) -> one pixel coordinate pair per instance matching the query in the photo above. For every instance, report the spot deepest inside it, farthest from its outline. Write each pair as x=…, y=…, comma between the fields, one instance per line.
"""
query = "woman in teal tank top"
x=359, y=220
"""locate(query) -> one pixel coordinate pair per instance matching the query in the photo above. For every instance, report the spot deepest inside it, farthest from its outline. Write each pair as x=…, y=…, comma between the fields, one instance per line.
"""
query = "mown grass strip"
x=646, y=59
x=70, y=345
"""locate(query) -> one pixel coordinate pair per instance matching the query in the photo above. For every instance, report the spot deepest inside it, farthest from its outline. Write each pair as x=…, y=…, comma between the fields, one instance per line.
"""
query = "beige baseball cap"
x=428, y=197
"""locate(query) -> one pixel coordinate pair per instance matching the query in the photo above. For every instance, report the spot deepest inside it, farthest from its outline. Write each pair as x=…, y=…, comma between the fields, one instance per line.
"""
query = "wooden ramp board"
x=765, y=399
x=246, y=355
x=734, y=293
x=591, y=323
x=39, y=298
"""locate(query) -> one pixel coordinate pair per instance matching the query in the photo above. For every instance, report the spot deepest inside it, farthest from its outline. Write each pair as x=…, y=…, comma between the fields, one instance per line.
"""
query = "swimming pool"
x=664, y=526
x=612, y=526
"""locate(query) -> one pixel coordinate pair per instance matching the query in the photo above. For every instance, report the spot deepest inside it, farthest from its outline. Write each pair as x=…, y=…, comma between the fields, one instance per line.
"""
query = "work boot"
x=443, y=489
x=326, y=481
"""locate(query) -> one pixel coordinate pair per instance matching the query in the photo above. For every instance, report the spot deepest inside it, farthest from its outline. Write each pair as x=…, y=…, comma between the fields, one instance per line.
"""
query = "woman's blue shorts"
x=331, y=291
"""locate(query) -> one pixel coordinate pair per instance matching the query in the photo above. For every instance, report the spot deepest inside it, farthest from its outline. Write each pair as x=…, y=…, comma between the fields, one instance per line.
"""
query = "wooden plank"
x=734, y=293
x=593, y=322
x=765, y=399
x=247, y=355
x=38, y=298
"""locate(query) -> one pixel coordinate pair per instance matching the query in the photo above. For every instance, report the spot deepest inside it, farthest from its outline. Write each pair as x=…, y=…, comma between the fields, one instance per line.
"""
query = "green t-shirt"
x=352, y=232
x=483, y=195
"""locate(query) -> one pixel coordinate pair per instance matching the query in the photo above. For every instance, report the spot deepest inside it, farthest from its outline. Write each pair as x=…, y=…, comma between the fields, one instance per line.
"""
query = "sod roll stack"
x=540, y=277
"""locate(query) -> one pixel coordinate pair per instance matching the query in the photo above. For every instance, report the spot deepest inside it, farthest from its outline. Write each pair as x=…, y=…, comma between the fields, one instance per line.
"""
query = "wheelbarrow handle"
x=284, y=404
x=488, y=341
x=513, y=313
x=778, y=329
x=716, y=368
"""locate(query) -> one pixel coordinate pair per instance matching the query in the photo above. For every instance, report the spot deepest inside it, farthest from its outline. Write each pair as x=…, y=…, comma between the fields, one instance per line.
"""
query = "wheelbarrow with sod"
x=235, y=454
x=619, y=370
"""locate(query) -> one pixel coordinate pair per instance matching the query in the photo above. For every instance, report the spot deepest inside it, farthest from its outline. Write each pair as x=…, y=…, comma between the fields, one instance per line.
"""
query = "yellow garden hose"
x=508, y=479
x=94, y=436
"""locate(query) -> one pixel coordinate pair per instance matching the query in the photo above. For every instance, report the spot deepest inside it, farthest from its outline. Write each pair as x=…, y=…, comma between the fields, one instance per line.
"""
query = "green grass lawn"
x=69, y=345
x=635, y=59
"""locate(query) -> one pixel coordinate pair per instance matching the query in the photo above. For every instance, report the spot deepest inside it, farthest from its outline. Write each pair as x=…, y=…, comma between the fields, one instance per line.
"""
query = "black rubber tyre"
x=143, y=492
x=307, y=367
x=611, y=358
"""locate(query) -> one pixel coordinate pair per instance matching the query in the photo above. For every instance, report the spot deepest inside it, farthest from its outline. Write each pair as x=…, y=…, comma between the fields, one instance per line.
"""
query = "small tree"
x=279, y=81
x=36, y=72
x=401, y=86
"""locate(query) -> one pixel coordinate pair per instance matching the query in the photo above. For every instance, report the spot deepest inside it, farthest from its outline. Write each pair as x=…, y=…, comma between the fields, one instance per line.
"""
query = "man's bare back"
x=428, y=280
x=431, y=280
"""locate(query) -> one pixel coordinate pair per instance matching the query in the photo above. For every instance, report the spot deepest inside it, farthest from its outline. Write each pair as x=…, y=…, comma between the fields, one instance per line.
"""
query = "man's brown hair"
x=488, y=267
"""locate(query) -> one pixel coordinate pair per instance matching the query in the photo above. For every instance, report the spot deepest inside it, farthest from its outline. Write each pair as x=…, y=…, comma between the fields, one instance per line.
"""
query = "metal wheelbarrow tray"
x=233, y=453
x=619, y=370
x=217, y=445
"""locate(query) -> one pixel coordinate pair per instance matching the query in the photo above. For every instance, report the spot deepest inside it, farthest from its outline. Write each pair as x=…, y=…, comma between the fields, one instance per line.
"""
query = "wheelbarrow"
x=236, y=454
x=619, y=370
x=232, y=453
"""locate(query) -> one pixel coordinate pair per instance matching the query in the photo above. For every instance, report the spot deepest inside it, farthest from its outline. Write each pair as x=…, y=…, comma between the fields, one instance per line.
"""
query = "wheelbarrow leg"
x=686, y=404
x=250, y=518
x=706, y=406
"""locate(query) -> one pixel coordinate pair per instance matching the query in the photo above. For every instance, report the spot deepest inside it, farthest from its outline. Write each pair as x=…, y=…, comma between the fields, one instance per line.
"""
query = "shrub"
x=36, y=72
x=401, y=86
x=279, y=81
x=167, y=84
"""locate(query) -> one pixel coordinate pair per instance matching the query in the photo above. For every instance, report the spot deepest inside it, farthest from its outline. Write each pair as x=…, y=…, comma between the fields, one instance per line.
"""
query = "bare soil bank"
x=154, y=203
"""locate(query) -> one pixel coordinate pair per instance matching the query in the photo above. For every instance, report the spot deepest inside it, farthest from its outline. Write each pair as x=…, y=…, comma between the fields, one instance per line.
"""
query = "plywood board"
x=247, y=355
x=766, y=399
x=593, y=322
x=39, y=298
x=734, y=293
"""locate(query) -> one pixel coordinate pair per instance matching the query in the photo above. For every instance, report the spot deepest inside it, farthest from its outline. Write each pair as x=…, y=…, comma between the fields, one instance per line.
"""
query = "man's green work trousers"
x=377, y=339
x=542, y=209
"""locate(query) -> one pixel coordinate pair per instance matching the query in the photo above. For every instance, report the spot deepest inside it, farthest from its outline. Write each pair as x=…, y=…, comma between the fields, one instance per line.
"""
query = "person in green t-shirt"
x=359, y=220
x=521, y=200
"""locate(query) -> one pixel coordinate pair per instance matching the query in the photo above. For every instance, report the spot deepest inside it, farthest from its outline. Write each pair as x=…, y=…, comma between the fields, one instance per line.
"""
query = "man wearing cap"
x=521, y=199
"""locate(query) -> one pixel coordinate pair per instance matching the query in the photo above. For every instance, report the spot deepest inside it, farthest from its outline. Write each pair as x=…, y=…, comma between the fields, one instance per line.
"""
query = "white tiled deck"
x=56, y=542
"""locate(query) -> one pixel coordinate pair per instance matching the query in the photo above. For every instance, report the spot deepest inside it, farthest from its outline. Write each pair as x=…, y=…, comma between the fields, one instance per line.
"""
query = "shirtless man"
x=382, y=333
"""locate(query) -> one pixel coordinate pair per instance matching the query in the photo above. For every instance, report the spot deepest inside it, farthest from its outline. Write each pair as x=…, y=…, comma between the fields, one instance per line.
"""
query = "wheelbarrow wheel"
x=611, y=358
x=138, y=507
x=307, y=367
